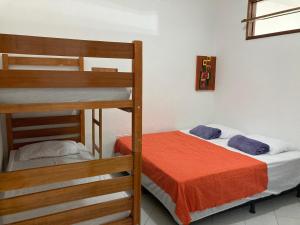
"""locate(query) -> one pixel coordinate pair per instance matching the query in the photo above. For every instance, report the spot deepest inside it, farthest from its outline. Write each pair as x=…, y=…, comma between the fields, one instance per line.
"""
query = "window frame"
x=250, y=27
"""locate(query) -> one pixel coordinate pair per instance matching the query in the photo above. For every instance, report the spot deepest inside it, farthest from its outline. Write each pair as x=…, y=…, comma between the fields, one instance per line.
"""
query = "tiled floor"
x=282, y=210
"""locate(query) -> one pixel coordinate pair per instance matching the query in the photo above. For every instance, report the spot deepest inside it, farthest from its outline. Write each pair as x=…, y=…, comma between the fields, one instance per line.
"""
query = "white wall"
x=173, y=33
x=258, y=85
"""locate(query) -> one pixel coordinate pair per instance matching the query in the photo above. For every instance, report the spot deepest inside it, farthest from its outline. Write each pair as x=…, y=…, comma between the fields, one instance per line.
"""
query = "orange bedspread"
x=195, y=173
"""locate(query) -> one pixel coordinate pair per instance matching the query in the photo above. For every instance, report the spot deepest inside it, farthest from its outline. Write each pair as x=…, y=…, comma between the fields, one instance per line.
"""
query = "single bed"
x=282, y=169
x=15, y=164
x=55, y=95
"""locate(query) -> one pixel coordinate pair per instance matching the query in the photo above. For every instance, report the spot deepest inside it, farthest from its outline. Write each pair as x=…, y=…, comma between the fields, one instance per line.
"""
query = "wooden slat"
x=49, y=120
x=81, y=214
x=102, y=69
x=47, y=107
x=137, y=68
x=20, y=44
x=46, y=132
x=47, y=175
x=5, y=64
x=126, y=221
x=62, y=195
x=35, y=61
x=19, y=145
x=62, y=79
x=81, y=64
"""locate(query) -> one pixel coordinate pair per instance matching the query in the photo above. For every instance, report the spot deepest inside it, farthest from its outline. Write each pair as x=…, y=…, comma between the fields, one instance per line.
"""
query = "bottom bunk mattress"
x=59, y=95
x=281, y=171
x=15, y=164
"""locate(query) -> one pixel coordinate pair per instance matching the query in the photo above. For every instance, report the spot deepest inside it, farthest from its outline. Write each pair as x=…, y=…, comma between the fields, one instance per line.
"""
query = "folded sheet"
x=249, y=146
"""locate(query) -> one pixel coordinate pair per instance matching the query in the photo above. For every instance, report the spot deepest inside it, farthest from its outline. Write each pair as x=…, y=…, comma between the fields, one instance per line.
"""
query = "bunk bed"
x=35, y=85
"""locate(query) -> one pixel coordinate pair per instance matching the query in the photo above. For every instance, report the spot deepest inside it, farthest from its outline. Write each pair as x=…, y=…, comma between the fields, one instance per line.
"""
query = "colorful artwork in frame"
x=206, y=73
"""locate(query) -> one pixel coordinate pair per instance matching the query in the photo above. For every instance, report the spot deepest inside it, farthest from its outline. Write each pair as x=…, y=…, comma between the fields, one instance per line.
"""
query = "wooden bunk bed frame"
x=29, y=45
x=72, y=126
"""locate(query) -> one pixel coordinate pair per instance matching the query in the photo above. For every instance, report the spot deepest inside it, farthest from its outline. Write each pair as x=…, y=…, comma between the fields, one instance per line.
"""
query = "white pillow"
x=276, y=145
x=49, y=149
x=227, y=132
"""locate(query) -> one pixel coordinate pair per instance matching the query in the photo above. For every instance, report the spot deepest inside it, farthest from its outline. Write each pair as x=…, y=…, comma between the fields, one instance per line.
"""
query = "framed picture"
x=206, y=73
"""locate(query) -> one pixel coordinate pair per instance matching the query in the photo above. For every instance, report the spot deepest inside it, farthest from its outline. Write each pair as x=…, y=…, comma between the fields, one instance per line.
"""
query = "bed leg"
x=298, y=191
x=252, y=208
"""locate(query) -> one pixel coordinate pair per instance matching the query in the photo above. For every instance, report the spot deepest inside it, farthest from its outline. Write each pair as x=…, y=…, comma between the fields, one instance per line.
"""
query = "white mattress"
x=57, y=95
x=83, y=156
x=283, y=173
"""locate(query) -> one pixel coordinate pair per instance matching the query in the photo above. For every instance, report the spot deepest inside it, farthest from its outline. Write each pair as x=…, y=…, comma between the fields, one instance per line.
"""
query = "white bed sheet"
x=57, y=95
x=283, y=173
x=83, y=156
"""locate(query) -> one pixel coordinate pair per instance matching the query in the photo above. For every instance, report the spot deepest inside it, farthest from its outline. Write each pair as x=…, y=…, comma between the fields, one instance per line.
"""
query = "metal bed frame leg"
x=252, y=208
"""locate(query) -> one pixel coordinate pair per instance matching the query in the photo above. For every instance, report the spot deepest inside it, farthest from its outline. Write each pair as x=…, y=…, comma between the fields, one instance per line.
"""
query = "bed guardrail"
x=48, y=175
x=30, y=45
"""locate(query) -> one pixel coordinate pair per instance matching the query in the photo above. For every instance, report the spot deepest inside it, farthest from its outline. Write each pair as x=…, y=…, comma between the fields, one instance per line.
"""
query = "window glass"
x=288, y=22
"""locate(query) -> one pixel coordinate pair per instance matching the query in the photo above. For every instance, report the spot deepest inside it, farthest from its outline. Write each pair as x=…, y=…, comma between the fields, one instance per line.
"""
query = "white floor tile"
x=288, y=221
x=148, y=203
x=263, y=219
x=234, y=216
x=289, y=210
x=205, y=221
x=281, y=210
x=160, y=216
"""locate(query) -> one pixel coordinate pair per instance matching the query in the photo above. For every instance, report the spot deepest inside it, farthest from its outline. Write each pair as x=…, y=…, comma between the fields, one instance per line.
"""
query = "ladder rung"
x=126, y=109
x=97, y=147
x=96, y=122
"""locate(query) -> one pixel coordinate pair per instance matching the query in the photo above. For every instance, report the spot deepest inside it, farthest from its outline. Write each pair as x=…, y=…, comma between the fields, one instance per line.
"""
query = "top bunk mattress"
x=59, y=95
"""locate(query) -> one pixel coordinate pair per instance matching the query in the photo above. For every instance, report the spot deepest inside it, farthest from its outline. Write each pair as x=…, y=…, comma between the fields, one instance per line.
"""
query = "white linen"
x=227, y=132
x=57, y=95
x=83, y=156
x=276, y=145
x=283, y=173
x=49, y=149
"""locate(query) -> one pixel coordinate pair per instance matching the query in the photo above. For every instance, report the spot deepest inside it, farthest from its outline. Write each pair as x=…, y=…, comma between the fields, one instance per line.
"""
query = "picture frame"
x=206, y=73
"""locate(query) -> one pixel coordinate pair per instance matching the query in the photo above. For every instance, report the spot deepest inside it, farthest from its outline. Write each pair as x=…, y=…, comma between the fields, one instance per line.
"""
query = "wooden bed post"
x=82, y=112
x=137, y=130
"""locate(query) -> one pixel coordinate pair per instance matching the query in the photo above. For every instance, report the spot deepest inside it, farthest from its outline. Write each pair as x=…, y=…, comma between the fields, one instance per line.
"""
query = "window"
x=272, y=17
